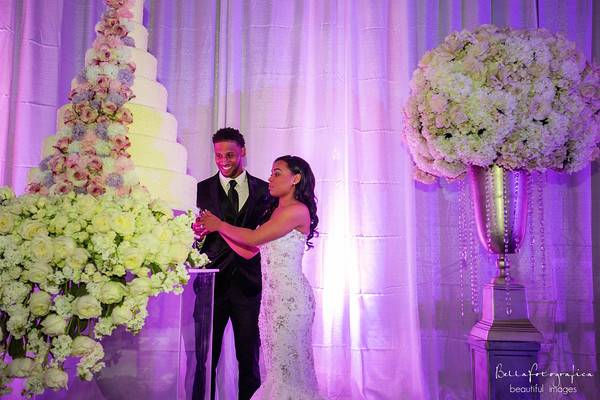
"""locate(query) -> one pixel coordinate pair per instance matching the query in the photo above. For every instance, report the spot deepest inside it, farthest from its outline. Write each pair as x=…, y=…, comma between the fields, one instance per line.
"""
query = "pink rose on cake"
x=93, y=163
x=62, y=187
x=57, y=163
x=89, y=139
x=123, y=115
x=123, y=164
x=69, y=117
x=95, y=186
x=110, y=41
x=72, y=160
x=131, y=65
x=88, y=115
x=36, y=187
x=63, y=143
x=126, y=92
x=108, y=107
x=102, y=84
x=78, y=176
x=103, y=119
x=119, y=3
x=120, y=142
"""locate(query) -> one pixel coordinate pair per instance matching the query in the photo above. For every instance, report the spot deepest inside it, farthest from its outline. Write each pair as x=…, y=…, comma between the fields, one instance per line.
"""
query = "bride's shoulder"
x=299, y=208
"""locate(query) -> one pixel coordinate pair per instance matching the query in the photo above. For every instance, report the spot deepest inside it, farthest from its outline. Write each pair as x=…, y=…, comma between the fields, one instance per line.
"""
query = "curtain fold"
x=326, y=80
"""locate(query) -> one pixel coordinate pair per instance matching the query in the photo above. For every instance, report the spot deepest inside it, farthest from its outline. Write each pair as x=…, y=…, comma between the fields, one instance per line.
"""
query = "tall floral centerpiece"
x=83, y=251
x=498, y=103
x=517, y=99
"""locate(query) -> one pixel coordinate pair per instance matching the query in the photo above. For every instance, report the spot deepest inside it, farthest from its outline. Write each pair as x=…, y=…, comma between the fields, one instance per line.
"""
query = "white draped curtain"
x=326, y=80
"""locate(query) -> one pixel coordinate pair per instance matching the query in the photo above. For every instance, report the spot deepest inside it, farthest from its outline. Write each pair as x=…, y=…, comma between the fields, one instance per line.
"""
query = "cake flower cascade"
x=90, y=155
x=83, y=251
x=519, y=99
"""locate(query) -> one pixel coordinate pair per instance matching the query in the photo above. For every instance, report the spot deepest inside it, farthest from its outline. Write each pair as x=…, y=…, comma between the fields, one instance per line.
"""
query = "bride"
x=287, y=303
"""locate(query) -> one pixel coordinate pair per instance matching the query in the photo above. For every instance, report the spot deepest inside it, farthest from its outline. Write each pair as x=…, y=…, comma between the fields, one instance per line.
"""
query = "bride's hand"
x=198, y=228
x=208, y=221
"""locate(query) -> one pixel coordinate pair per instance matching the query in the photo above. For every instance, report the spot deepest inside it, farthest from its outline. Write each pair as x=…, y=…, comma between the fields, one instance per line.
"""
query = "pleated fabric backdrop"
x=326, y=80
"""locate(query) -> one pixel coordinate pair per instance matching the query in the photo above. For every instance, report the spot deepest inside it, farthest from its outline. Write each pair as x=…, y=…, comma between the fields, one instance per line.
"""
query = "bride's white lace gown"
x=286, y=315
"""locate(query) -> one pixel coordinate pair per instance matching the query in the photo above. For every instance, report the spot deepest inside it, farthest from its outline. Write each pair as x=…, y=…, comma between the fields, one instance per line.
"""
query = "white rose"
x=100, y=223
x=139, y=286
x=78, y=258
x=55, y=378
x=72, y=228
x=64, y=246
x=59, y=222
x=85, y=203
x=54, y=325
x=178, y=252
x=87, y=307
x=39, y=303
x=121, y=315
x=82, y=346
x=7, y=222
x=112, y=292
x=123, y=223
x=162, y=233
x=41, y=249
x=38, y=272
x=31, y=228
x=20, y=367
x=131, y=257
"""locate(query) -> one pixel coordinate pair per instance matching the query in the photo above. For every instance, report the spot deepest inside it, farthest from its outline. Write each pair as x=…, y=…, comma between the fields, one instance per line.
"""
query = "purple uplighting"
x=327, y=81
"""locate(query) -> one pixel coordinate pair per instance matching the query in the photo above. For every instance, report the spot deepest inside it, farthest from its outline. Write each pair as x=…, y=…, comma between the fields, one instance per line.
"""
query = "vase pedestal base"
x=504, y=346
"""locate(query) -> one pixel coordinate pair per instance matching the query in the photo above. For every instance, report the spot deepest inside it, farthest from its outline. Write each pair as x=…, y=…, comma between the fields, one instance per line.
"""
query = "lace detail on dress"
x=285, y=321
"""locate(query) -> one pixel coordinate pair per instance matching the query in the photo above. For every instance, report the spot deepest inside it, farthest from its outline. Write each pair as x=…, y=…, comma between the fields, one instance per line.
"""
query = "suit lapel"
x=251, y=197
x=215, y=191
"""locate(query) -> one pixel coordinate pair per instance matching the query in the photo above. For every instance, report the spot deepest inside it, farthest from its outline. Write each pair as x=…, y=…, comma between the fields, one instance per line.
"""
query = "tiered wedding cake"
x=160, y=161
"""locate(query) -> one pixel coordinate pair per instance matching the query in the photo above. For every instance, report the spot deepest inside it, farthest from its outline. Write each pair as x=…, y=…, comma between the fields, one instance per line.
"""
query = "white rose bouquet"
x=72, y=268
x=520, y=99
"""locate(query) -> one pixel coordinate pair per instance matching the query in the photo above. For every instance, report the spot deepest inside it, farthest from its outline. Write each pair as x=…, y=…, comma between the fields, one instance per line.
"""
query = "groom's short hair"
x=229, y=134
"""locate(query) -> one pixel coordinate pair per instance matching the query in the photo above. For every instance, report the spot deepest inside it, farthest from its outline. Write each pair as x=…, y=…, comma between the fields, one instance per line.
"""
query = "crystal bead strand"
x=506, y=204
x=462, y=242
x=513, y=220
x=472, y=258
x=530, y=220
x=488, y=211
x=542, y=239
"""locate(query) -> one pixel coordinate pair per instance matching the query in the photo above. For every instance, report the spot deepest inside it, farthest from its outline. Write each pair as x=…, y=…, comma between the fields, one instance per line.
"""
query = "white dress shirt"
x=241, y=188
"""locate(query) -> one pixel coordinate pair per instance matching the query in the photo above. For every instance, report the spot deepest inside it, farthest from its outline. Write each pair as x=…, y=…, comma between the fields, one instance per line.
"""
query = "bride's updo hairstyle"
x=304, y=193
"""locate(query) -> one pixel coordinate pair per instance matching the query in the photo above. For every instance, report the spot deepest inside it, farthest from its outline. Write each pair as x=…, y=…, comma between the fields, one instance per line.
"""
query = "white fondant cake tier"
x=140, y=35
x=145, y=64
x=146, y=121
x=149, y=93
x=177, y=189
x=138, y=11
x=150, y=152
x=145, y=151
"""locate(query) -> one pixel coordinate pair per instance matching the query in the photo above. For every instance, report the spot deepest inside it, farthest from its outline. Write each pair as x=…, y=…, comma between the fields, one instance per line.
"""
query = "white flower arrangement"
x=74, y=267
x=519, y=99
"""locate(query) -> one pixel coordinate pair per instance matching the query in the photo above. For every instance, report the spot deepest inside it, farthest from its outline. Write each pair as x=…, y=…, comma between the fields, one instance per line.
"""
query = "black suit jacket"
x=233, y=269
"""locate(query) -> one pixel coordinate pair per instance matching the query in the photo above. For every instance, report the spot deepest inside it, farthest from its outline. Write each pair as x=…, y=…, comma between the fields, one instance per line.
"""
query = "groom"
x=240, y=199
